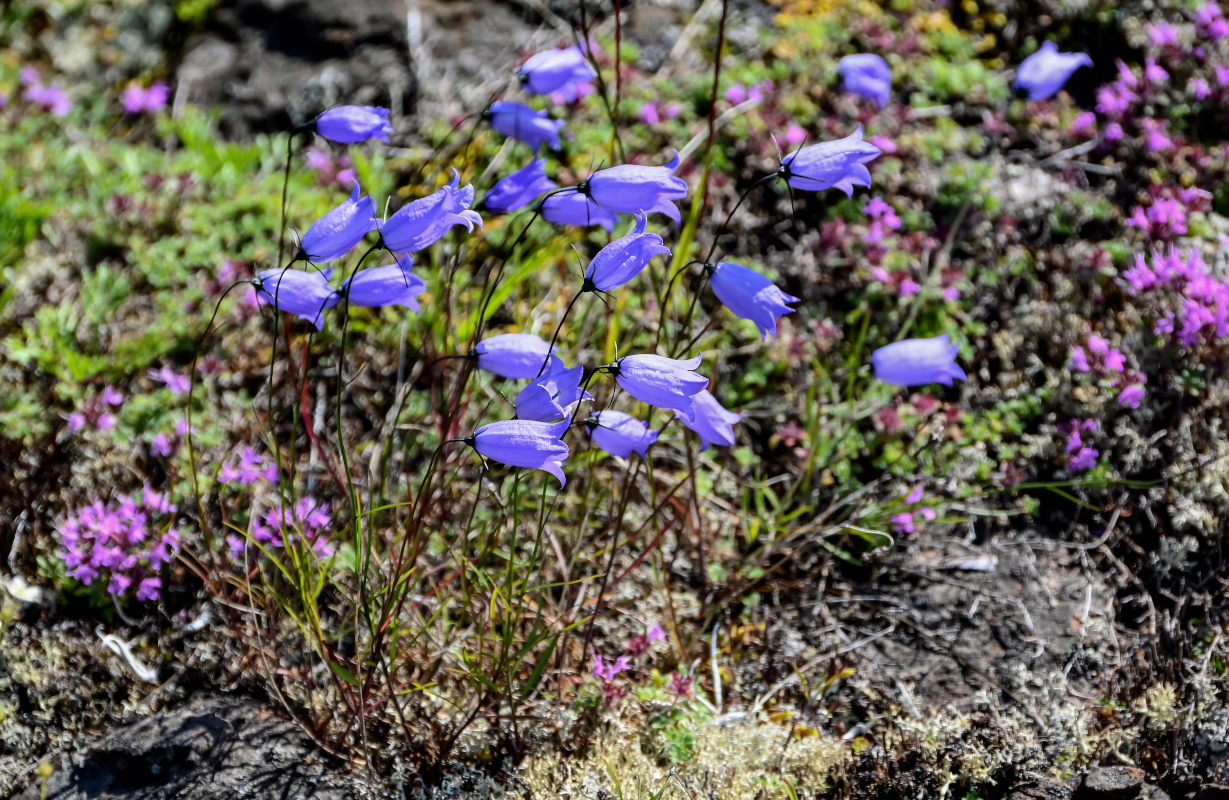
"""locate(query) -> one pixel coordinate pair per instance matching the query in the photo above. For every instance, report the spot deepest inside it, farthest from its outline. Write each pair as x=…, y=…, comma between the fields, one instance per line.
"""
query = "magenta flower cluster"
x=305, y=524
x=1080, y=456
x=50, y=97
x=124, y=543
x=1108, y=363
x=95, y=411
x=1198, y=297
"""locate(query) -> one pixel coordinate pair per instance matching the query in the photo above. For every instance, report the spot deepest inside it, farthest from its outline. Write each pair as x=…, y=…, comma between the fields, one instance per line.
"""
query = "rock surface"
x=213, y=747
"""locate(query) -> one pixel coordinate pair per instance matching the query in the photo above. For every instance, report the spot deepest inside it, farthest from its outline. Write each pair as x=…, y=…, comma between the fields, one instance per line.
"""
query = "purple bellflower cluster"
x=623, y=259
x=558, y=70
x=659, y=381
x=337, y=232
x=620, y=434
x=122, y=543
x=552, y=395
x=524, y=443
x=354, y=124
x=916, y=362
x=712, y=422
x=868, y=75
x=305, y=294
x=631, y=188
x=423, y=222
x=1045, y=72
x=512, y=355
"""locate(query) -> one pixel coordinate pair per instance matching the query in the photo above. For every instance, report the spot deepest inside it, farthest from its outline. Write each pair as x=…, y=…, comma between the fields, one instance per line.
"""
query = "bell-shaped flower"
x=628, y=188
x=389, y=285
x=336, y=233
x=620, y=434
x=750, y=295
x=516, y=190
x=524, y=443
x=659, y=381
x=555, y=70
x=838, y=164
x=623, y=259
x=421, y=223
x=1043, y=73
x=574, y=208
x=299, y=292
x=915, y=362
x=512, y=355
x=709, y=419
x=352, y=124
x=550, y=396
x=868, y=75
x=520, y=122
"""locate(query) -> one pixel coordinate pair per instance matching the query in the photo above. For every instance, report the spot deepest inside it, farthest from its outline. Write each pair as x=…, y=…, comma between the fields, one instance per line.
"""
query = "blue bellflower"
x=623, y=259
x=299, y=292
x=389, y=285
x=838, y=164
x=550, y=396
x=629, y=188
x=524, y=443
x=710, y=420
x=620, y=434
x=518, y=189
x=336, y=233
x=512, y=355
x=750, y=295
x=555, y=70
x=1043, y=73
x=519, y=121
x=352, y=124
x=421, y=223
x=659, y=381
x=574, y=208
x=915, y=362
x=868, y=75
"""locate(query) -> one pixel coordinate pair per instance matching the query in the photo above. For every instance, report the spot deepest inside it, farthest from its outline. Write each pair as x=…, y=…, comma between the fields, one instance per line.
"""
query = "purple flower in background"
x=353, y=124
x=420, y=224
x=750, y=295
x=659, y=381
x=304, y=294
x=52, y=98
x=137, y=100
x=629, y=188
x=304, y=525
x=251, y=467
x=389, y=285
x=524, y=443
x=336, y=233
x=174, y=381
x=555, y=70
x=838, y=164
x=520, y=122
x=518, y=189
x=914, y=362
x=1085, y=459
x=1131, y=396
x=620, y=434
x=549, y=397
x=1043, y=73
x=512, y=355
x=709, y=419
x=574, y=208
x=623, y=259
x=868, y=75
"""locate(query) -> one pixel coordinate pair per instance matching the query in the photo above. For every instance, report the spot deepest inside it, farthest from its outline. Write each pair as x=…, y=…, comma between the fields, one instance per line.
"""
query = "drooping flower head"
x=421, y=223
x=524, y=443
x=620, y=434
x=629, y=188
x=299, y=292
x=1043, y=73
x=574, y=208
x=353, y=124
x=512, y=355
x=389, y=285
x=915, y=362
x=518, y=189
x=709, y=419
x=868, y=75
x=750, y=295
x=336, y=233
x=519, y=121
x=838, y=164
x=555, y=70
x=550, y=396
x=623, y=259
x=659, y=381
